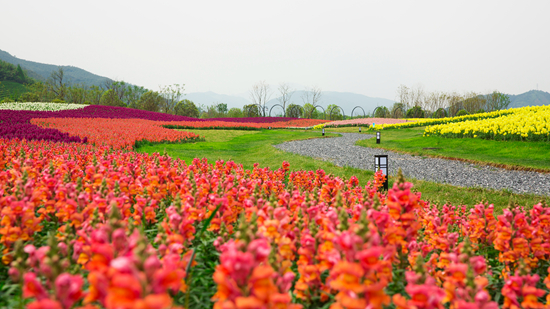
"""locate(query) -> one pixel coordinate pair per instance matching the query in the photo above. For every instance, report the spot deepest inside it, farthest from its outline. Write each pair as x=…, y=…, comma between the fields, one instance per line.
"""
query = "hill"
x=41, y=71
x=10, y=89
x=530, y=98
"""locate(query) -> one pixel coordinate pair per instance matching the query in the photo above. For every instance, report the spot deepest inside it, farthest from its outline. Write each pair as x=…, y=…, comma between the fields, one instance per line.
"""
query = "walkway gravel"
x=342, y=151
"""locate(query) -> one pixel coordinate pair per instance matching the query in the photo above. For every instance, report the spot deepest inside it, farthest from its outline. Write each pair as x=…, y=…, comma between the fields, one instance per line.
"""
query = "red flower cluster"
x=116, y=133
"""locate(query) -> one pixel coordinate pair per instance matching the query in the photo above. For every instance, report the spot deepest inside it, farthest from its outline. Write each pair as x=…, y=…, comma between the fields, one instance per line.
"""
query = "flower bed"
x=116, y=133
x=431, y=121
x=525, y=124
x=86, y=226
x=214, y=124
x=40, y=106
x=364, y=122
x=18, y=124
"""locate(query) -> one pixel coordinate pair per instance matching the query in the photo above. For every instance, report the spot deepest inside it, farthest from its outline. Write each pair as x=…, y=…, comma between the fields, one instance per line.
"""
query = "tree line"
x=10, y=72
x=415, y=102
x=169, y=99
x=412, y=102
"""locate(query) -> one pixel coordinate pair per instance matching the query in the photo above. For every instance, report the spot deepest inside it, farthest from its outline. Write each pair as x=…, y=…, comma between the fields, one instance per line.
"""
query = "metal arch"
x=374, y=112
x=302, y=113
x=440, y=109
x=402, y=111
x=343, y=113
x=284, y=112
x=314, y=108
x=364, y=114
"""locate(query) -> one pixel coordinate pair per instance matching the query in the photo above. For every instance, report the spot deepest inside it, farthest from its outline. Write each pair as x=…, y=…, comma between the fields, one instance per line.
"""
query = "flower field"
x=421, y=122
x=96, y=225
x=117, y=127
x=116, y=133
x=525, y=124
x=40, y=106
x=366, y=122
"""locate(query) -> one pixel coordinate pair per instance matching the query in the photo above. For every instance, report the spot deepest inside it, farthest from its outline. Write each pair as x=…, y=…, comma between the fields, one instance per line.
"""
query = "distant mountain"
x=530, y=98
x=346, y=100
x=41, y=71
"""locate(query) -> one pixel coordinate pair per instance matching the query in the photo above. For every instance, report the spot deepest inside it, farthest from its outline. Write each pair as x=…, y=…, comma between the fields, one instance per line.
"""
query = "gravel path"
x=342, y=152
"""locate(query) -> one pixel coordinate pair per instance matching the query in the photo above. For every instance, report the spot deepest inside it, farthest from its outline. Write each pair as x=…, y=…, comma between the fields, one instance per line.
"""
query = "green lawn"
x=511, y=154
x=249, y=147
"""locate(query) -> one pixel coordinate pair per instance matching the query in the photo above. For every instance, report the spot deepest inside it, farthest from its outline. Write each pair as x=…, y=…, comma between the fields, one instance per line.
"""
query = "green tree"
x=29, y=97
x=398, y=110
x=20, y=75
x=110, y=98
x=294, y=111
x=497, y=101
x=336, y=112
x=251, y=110
x=221, y=108
x=235, y=112
x=311, y=112
x=382, y=112
x=186, y=108
x=150, y=101
x=76, y=94
x=93, y=95
x=133, y=94
x=172, y=95
x=415, y=112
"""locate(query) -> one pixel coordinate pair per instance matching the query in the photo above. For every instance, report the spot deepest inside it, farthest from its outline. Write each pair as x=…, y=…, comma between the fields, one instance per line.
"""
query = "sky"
x=365, y=47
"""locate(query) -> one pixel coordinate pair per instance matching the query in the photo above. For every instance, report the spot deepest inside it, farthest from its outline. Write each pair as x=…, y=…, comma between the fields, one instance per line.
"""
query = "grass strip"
x=249, y=147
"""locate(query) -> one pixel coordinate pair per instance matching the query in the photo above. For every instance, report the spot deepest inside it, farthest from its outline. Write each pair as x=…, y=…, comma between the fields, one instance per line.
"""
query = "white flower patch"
x=40, y=106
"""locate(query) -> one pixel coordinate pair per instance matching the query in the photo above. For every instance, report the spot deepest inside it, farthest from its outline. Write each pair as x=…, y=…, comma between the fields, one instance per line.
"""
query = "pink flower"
x=260, y=249
x=33, y=288
x=69, y=289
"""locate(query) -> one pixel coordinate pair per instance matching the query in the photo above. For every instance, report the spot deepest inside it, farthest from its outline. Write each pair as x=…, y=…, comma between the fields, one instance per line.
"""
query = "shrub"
x=416, y=112
x=29, y=97
x=462, y=112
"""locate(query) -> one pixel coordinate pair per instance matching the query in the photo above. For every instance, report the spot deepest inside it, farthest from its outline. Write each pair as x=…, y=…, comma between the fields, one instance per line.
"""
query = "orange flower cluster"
x=116, y=133
x=258, y=123
x=86, y=226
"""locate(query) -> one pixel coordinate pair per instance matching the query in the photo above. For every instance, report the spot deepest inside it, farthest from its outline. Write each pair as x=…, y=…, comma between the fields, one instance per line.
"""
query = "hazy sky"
x=366, y=47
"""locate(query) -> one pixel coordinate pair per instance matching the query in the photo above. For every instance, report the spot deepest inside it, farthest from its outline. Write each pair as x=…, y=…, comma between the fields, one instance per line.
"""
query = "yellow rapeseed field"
x=421, y=122
x=524, y=124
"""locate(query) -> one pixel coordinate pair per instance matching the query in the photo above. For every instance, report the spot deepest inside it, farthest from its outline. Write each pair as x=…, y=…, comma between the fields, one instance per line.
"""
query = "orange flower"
x=346, y=276
x=261, y=282
x=154, y=301
x=249, y=303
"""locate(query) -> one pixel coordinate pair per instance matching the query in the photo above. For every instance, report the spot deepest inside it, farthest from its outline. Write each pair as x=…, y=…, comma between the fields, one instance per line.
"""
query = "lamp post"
x=323, y=131
x=381, y=163
x=378, y=137
x=359, y=129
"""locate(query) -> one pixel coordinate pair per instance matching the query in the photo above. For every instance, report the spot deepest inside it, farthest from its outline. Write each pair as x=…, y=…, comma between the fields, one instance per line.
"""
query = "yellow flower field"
x=525, y=124
x=421, y=122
